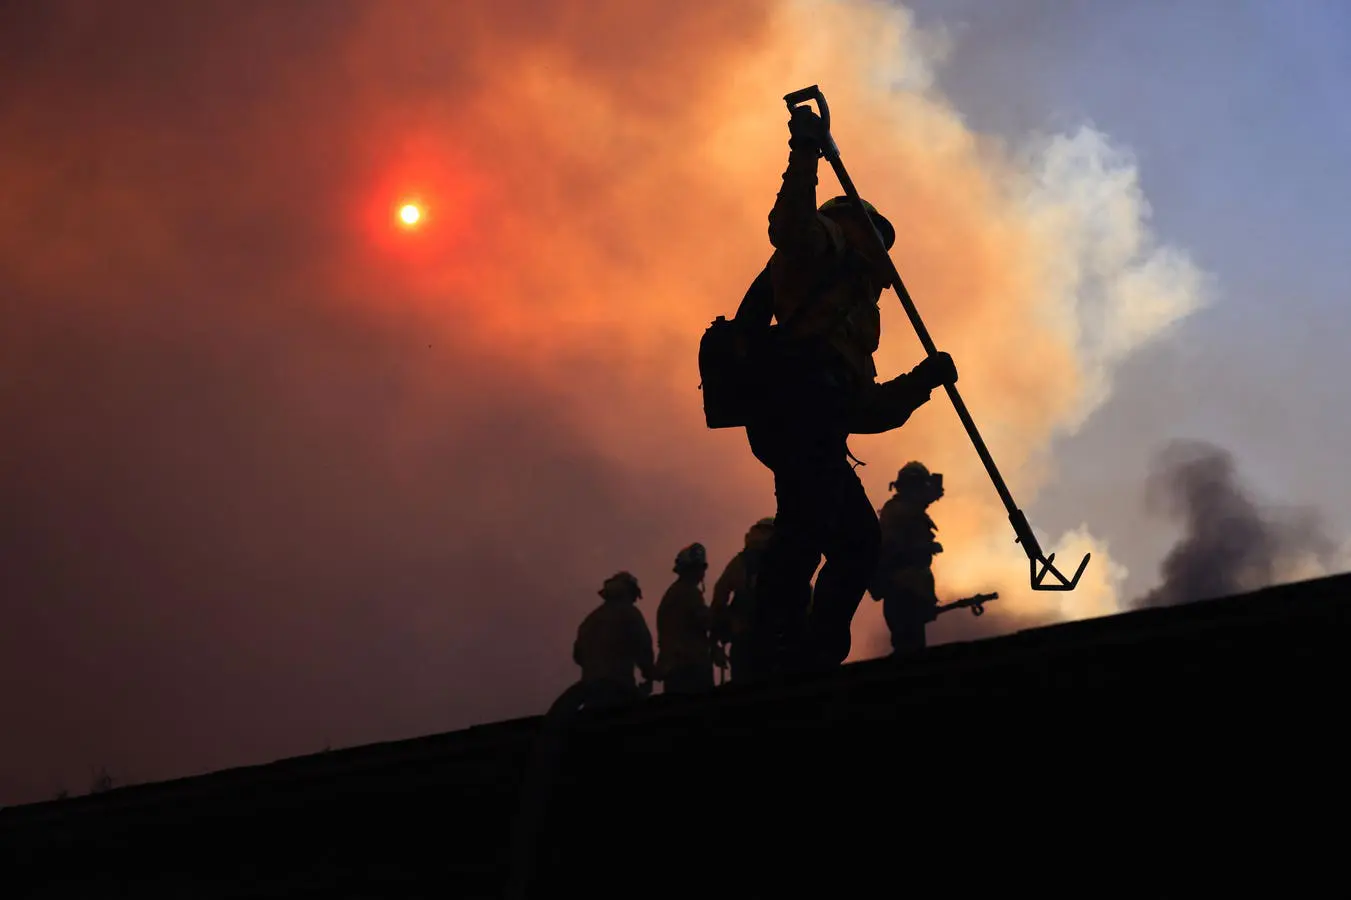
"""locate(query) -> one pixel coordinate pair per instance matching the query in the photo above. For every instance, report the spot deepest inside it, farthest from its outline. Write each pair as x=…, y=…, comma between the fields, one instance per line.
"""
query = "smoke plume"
x=1229, y=542
x=279, y=473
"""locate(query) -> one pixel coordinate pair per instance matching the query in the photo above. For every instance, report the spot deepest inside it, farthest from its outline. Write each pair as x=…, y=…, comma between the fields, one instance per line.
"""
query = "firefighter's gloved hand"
x=805, y=129
x=935, y=371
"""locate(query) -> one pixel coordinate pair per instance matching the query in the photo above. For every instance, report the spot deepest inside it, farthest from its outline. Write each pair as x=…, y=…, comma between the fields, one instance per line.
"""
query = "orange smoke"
x=335, y=479
x=628, y=208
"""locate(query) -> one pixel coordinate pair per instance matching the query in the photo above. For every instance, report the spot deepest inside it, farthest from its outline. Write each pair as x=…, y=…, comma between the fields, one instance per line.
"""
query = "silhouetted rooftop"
x=1013, y=748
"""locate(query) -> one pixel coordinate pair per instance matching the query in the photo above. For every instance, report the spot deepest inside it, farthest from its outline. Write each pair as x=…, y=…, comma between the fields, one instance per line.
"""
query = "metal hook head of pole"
x=1040, y=565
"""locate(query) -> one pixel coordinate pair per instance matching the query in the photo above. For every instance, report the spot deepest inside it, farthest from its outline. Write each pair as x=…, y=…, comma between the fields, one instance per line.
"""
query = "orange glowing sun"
x=410, y=214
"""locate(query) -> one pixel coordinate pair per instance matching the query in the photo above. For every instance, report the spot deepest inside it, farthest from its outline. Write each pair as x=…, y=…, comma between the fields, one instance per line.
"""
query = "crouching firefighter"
x=800, y=388
x=614, y=639
x=904, y=581
x=685, y=665
x=733, y=601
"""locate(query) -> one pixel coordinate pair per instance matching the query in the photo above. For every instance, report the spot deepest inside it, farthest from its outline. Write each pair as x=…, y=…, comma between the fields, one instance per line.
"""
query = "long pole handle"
x=1021, y=529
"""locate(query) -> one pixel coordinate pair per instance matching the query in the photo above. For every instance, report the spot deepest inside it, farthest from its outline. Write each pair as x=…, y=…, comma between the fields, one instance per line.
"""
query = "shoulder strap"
x=757, y=306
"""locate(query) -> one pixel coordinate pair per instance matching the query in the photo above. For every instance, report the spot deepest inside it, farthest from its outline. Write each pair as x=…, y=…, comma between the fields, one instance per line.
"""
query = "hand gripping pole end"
x=806, y=95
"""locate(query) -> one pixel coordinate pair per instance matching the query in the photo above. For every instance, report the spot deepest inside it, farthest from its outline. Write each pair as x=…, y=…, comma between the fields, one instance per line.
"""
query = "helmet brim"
x=884, y=226
x=836, y=205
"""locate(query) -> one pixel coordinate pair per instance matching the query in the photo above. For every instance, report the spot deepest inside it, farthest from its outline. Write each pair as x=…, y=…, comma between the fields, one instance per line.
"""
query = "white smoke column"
x=1115, y=287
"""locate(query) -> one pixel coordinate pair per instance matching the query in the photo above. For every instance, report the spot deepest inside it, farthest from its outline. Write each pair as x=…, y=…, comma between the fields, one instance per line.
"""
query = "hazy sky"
x=1235, y=114
x=278, y=473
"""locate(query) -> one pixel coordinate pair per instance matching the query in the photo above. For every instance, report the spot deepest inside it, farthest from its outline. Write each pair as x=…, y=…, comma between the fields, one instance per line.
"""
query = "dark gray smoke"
x=1229, y=543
